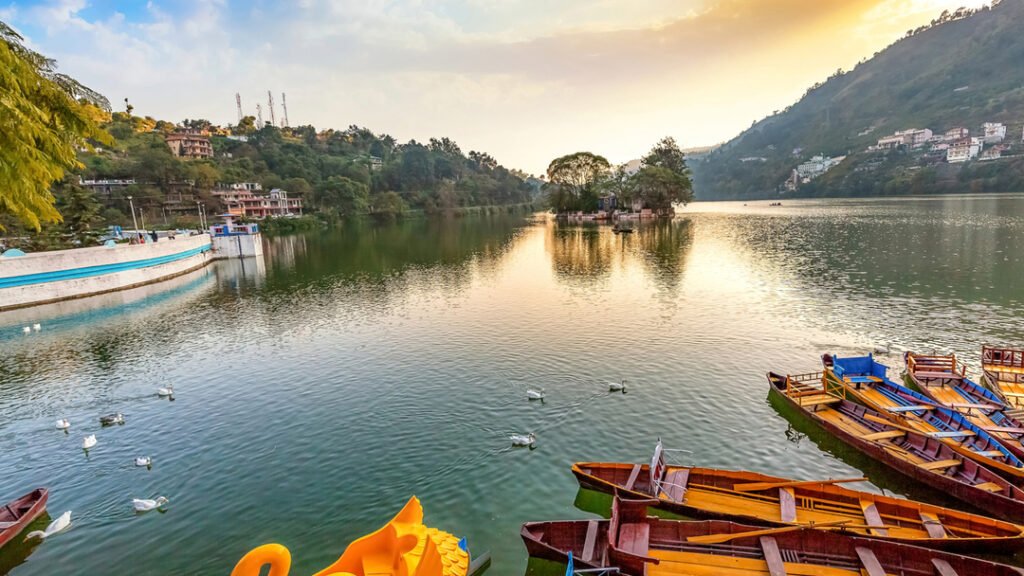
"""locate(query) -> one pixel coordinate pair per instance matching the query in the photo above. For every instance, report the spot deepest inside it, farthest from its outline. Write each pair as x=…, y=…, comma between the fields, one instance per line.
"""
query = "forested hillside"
x=962, y=70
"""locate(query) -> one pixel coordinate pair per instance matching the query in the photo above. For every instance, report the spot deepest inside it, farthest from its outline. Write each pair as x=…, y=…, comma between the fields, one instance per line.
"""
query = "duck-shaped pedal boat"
x=403, y=547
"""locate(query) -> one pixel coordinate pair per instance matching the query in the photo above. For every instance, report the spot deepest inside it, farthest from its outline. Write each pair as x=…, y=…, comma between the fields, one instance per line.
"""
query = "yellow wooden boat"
x=403, y=547
x=1004, y=373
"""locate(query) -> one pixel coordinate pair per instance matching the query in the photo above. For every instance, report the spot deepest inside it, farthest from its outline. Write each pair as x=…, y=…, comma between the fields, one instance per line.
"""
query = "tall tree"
x=44, y=117
x=81, y=212
x=577, y=177
x=660, y=189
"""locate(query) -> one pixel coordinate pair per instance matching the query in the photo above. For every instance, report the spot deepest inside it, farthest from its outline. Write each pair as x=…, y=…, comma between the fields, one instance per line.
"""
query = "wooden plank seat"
x=952, y=434
x=884, y=435
x=1003, y=429
x=933, y=525
x=989, y=486
x=940, y=464
x=870, y=562
x=588, y=546
x=787, y=505
x=818, y=400
x=935, y=375
x=873, y=518
x=990, y=453
x=915, y=408
x=632, y=477
x=634, y=538
x=674, y=485
x=772, y=556
x=943, y=567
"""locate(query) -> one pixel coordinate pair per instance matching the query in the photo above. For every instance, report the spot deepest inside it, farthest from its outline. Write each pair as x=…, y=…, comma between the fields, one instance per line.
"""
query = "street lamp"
x=199, y=210
x=135, y=223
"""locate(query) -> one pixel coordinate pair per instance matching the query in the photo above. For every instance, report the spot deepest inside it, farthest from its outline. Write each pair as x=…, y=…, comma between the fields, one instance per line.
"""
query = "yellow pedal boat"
x=403, y=547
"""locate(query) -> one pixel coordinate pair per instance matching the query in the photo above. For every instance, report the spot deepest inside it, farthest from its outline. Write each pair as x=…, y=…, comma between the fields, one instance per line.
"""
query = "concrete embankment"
x=44, y=277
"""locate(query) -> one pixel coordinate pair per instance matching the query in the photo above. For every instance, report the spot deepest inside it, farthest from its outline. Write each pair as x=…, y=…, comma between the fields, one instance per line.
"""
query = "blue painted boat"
x=866, y=381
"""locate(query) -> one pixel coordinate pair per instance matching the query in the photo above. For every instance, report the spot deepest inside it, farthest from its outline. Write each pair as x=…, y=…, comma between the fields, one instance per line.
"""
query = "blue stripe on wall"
x=90, y=271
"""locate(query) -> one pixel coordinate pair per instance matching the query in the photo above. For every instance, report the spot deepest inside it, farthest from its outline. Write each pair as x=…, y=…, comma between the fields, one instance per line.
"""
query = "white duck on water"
x=148, y=505
x=63, y=424
x=535, y=394
x=523, y=440
x=617, y=386
x=111, y=419
x=143, y=461
x=88, y=442
x=61, y=523
x=165, y=390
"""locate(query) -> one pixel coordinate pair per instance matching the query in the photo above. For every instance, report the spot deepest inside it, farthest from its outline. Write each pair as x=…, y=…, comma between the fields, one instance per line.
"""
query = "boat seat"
x=940, y=464
x=817, y=401
x=932, y=525
x=884, y=435
x=632, y=477
x=772, y=556
x=873, y=518
x=1004, y=429
x=634, y=538
x=914, y=408
x=943, y=567
x=990, y=487
x=990, y=453
x=952, y=434
x=674, y=485
x=936, y=375
x=870, y=562
x=787, y=505
x=588, y=546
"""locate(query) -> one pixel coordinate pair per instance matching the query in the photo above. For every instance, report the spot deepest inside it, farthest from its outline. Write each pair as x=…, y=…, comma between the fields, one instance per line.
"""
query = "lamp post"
x=135, y=223
x=199, y=210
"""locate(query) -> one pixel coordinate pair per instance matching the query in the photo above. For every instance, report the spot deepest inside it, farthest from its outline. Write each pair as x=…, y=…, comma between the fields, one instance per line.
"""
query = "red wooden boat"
x=639, y=545
x=16, y=515
x=918, y=455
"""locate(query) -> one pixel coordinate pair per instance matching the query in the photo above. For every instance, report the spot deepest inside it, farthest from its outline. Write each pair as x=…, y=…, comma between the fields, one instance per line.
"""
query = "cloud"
x=526, y=80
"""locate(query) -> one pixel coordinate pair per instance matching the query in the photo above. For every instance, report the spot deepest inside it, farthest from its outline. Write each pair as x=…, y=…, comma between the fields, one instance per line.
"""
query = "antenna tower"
x=284, y=106
x=259, y=117
x=238, y=102
x=270, y=106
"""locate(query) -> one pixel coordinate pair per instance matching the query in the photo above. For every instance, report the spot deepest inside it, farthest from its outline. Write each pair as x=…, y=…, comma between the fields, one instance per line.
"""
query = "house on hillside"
x=190, y=144
x=963, y=150
x=995, y=132
x=247, y=199
x=104, y=188
x=955, y=134
x=911, y=137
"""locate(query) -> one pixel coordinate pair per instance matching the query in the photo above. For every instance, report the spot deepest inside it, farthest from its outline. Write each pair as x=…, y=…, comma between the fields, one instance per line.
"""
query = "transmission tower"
x=284, y=106
x=238, y=102
x=259, y=116
x=270, y=105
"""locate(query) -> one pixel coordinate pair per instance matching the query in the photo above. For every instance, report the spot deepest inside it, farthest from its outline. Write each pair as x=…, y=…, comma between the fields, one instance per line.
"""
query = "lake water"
x=318, y=390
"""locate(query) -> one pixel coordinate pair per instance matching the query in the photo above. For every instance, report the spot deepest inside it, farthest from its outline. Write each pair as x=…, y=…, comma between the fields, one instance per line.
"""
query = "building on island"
x=248, y=200
x=190, y=144
x=963, y=150
x=995, y=132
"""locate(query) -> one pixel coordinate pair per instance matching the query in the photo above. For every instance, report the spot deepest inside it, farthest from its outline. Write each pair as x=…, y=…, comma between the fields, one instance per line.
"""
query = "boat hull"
x=22, y=511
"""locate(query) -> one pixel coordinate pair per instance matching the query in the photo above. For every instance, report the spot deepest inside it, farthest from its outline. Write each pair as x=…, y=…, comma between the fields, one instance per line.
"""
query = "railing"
x=925, y=363
x=993, y=358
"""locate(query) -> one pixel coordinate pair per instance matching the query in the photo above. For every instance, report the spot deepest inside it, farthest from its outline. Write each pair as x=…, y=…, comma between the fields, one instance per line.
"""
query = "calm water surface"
x=318, y=390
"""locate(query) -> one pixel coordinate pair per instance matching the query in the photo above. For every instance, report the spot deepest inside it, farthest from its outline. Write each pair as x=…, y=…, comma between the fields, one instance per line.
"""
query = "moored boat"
x=403, y=547
x=752, y=498
x=640, y=545
x=1003, y=370
x=17, y=514
x=866, y=380
x=921, y=456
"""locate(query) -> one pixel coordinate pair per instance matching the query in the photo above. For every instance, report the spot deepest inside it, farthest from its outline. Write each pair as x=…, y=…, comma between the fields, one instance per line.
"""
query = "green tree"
x=621, y=183
x=660, y=189
x=388, y=206
x=81, y=212
x=575, y=179
x=44, y=117
x=341, y=195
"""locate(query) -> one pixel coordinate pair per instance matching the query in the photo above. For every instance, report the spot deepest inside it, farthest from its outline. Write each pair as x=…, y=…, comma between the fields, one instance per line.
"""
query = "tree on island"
x=664, y=179
x=44, y=117
x=575, y=180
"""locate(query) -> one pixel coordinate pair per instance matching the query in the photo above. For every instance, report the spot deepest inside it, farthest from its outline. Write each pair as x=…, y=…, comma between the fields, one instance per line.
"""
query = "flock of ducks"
x=29, y=329
x=63, y=521
x=529, y=440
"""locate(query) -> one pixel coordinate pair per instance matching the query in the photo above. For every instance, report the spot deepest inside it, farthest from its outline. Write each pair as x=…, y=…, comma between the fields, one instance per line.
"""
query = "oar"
x=719, y=538
x=757, y=486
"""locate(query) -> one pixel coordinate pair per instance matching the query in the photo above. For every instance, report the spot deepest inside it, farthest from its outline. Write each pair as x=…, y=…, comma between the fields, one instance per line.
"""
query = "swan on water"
x=88, y=442
x=521, y=440
x=37, y=327
x=617, y=386
x=535, y=394
x=27, y=330
x=61, y=523
x=147, y=505
x=111, y=419
x=63, y=424
x=143, y=461
x=165, y=390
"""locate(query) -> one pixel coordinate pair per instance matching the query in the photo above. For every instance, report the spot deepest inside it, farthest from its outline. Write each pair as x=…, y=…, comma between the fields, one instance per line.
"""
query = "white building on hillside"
x=954, y=134
x=963, y=150
x=994, y=132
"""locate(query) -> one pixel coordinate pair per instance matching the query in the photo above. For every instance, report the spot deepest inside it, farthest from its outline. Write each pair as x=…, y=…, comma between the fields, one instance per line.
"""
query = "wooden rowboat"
x=752, y=498
x=865, y=380
x=17, y=514
x=944, y=380
x=1003, y=370
x=918, y=455
x=639, y=545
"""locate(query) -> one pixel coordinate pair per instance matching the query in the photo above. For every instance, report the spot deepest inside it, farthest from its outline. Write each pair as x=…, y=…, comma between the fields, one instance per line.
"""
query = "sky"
x=524, y=80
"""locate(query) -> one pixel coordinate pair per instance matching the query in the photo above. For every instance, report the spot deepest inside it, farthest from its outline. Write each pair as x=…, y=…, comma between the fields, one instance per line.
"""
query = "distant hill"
x=964, y=69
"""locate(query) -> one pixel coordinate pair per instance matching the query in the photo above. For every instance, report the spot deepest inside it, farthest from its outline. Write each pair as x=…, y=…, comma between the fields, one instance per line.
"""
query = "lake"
x=317, y=390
